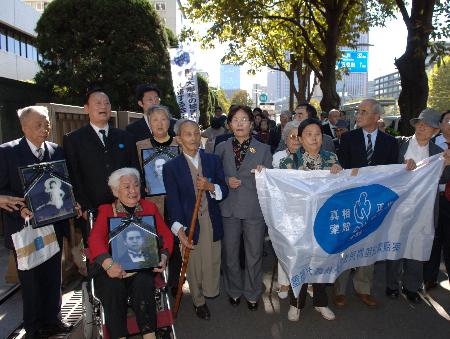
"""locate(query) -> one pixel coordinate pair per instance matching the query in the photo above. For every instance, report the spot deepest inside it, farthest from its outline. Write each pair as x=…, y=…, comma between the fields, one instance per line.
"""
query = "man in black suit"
x=330, y=127
x=96, y=150
x=41, y=286
x=364, y=146
x=148, y=95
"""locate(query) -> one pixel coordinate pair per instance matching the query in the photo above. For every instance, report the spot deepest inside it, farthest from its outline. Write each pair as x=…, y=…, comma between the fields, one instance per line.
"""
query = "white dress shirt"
x=34, y=149
x=217, y=194
x=373, y=137
x=97, y=130
x=415, y=151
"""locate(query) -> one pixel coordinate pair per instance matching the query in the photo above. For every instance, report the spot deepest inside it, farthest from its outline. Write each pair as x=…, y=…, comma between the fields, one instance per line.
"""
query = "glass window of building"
x=3, y=39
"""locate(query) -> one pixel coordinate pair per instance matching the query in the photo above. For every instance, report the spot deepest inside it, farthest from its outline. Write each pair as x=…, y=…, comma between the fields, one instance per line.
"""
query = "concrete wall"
x=16, y=67
x=18, y=15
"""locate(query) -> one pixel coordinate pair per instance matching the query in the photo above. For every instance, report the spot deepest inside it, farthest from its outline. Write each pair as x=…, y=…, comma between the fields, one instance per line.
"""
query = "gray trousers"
x=249, y=281
x=408, y=271
x=362, y=281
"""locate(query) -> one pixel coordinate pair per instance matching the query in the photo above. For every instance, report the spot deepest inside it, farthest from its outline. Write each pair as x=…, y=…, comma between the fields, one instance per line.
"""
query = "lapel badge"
x=252, y=150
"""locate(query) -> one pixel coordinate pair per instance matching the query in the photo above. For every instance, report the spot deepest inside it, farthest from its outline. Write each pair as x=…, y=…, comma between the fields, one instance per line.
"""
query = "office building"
x=18, y=53
x=230, y=79
x=38, y=5
x=170, y=13
x=387, y=86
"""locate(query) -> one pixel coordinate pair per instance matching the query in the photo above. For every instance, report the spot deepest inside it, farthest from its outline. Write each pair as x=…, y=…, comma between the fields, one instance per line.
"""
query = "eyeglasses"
x=293, y=136
x=243, y=120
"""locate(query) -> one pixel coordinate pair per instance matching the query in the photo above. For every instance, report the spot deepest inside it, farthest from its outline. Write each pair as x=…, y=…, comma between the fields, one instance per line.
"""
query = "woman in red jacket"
x=113, y=285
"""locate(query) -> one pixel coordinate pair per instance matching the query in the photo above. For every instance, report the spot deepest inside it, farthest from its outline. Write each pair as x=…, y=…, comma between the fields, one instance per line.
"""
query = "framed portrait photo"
x=134, y=242
x=48, y=192
x=153, y=160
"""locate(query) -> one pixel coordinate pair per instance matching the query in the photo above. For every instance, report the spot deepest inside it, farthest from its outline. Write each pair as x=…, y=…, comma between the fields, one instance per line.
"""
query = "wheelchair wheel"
x=89, y=326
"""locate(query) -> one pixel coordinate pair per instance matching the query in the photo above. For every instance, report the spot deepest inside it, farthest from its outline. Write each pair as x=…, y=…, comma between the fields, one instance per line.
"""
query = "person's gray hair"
x=180, y=123
x=288, y=113
x=288, y=128
x=376, y=106
x=114, y=178
x=158, y=108
x=23, y=113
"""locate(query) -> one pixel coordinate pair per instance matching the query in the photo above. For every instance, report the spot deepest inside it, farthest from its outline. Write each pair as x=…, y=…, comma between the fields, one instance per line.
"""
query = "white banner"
x=184, y=76
x=321, y=224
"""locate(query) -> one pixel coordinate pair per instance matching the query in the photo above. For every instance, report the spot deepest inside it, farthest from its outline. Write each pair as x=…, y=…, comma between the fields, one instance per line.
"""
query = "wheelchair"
x=93, y=320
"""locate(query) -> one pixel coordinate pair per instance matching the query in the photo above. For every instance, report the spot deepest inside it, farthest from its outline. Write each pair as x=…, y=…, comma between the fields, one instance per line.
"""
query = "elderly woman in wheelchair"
x=113, y=284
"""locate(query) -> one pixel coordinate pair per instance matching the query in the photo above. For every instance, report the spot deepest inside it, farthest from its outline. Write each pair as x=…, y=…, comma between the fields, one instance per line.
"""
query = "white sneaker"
x=293, y=313
x=326, y=312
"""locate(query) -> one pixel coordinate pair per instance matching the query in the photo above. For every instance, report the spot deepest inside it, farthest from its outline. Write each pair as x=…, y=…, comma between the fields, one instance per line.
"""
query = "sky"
x=388, y=42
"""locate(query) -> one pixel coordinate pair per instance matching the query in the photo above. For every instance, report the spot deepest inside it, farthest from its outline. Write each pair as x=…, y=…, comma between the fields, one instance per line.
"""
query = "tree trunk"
x=411, y=65
x=303, y=74
x=330, y=98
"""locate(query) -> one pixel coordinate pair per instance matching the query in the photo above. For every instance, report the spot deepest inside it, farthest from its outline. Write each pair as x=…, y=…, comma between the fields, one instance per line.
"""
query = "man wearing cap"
x=362, y=147
x=414, y=148
x=441, y=241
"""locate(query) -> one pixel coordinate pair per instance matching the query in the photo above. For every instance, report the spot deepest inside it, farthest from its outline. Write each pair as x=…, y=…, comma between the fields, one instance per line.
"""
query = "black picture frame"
x=48, y=192
x=152, y=161
x=134, y=243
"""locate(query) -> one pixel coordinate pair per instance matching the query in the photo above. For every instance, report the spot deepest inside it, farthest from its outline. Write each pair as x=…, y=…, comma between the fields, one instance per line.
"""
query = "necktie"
x=103, y=133
x=369, y=149
x=447, y=185
x=40, y=153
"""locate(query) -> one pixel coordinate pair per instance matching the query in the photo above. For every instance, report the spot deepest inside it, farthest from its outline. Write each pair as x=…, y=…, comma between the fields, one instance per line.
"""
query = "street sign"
x=354, y=61
x=263, y=98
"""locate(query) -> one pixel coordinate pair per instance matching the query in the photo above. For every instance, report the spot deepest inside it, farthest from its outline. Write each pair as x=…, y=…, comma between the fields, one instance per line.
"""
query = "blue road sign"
x=263, y=97
x=354, y=61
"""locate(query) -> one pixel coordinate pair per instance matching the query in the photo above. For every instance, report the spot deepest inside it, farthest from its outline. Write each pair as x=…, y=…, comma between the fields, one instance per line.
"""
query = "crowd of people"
x=105, y=165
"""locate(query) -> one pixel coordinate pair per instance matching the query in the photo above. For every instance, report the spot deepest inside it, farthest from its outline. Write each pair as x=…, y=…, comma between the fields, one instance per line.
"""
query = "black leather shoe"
x=252, y=306
x=393, y=294
x=234, y=301
x=202, y=312
x=412, y=296
x=59, y=327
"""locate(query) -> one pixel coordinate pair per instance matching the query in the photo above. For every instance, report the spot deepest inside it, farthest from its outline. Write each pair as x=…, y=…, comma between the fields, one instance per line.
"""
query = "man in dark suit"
x=183, y=177
x=330, y=127
x=365, y=146
x=148, y=95
x=341, y=128
x=41, y=286
x=96, y=150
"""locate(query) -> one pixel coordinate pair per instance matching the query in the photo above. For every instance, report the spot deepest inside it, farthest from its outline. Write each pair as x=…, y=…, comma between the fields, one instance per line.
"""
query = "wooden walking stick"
x=187, y=252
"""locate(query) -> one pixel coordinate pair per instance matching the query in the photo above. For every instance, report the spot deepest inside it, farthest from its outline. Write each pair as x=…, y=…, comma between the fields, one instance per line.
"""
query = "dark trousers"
x=175, y=263
x=41, y=294
x=441, y=243
x=114, y=294
x=320, y=298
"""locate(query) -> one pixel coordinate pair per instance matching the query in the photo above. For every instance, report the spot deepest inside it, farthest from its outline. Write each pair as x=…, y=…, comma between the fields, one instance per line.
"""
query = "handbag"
x=34, y=246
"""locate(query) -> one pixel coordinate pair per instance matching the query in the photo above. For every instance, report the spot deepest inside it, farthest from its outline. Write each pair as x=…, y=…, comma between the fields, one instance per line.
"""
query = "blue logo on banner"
x=351, y=215
x=182, y=58
x=39, y=243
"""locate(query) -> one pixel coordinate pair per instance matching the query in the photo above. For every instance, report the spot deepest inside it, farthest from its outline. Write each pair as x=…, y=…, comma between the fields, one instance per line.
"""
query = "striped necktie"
x=369, y=149
x=40, y=153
